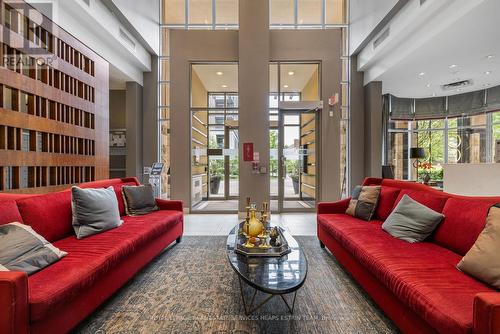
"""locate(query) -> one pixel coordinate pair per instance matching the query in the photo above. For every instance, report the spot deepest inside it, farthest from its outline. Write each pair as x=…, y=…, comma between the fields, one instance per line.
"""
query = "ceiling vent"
x=127, y=39
x=382, y=37
x=456, y=85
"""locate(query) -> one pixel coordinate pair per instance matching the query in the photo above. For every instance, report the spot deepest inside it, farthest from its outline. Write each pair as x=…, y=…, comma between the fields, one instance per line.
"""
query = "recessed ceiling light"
x=452, y=66
x=421, y=74
x=224, y=86
x=486, y=85
x=428, y=85
x=490, y=56
x=285, y=86
x=219, y=73
x=487, y=72
x=291, y=73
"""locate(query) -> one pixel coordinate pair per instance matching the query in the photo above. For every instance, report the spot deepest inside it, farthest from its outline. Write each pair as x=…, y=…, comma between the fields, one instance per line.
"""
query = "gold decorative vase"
x=255, y=227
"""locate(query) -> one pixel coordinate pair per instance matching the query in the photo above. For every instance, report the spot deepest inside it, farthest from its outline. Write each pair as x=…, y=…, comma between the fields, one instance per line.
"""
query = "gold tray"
x=273, y=251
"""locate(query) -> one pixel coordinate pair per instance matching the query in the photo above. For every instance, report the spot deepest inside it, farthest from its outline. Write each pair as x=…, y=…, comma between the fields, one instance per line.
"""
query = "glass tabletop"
x=274, y=275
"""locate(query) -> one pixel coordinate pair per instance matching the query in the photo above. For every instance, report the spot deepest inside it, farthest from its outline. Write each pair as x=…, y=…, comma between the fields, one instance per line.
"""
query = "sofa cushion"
x=119, y=196
x=464, y=221
x=411, y=221
x=9, y=212
x=90, y=258
x=482, y=261
x=422, y=275
x=431, y=200
x=386, y=200
x=49, y=215
x=139, y=200
x=22, y=249
x=363, y=202
x=94, y=211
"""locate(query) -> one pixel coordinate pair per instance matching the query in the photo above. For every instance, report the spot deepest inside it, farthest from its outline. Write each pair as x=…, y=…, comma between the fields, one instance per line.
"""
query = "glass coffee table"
x=275, y=276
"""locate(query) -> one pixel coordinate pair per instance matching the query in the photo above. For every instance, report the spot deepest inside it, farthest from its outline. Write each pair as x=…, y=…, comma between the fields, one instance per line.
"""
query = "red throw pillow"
x=386, y=201
x=9, y=212
x=464, y=221
x=431, y=200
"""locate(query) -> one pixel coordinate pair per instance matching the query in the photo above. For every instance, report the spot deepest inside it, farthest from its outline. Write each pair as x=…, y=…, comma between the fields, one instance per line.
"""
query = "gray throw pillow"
x=139, y=200
x=22, y=249
x=94, y=211
x=411, y=221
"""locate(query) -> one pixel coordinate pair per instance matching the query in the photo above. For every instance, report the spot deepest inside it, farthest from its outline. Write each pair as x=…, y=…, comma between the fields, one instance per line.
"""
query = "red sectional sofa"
x=416, y=285
x=57, y=298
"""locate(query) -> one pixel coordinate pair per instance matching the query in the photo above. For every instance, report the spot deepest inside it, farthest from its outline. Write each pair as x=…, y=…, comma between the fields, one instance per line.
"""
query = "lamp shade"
x=417, y=153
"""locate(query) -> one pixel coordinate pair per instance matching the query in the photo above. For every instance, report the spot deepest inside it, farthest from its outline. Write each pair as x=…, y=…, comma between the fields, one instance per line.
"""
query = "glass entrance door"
x=297, y=182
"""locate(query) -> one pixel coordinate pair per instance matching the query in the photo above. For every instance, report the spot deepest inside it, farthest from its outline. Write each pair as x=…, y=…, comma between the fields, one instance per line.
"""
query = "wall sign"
x=247, y=151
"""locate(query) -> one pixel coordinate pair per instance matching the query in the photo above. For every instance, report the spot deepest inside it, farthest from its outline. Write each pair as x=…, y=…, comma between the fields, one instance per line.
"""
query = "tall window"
x=465, y=139
x=200, y=14
x=307, y=14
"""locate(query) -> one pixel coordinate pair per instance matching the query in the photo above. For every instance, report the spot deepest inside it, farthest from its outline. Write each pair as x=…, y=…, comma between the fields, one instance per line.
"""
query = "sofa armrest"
x=169, y=205
x=13, y=302
x=487, y=313
x=333, y=207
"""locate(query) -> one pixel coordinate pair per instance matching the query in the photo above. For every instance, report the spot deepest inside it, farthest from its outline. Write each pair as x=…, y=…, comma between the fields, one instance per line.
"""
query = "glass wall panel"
x=200, y=12
x=174, y=12
x=310, y=11
x=165, y=69
x=282, y=12
x=335, y=12
x=164, y=94
x=214, y=137
x=226, y=11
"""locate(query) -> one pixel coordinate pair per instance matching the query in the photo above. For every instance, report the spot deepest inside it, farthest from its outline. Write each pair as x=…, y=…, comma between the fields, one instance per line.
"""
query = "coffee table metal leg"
x=293, y=302
x=251, y=309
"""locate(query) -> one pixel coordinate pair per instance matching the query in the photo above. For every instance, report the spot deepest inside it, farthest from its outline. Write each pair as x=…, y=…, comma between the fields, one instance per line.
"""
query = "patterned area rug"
x=191, y=288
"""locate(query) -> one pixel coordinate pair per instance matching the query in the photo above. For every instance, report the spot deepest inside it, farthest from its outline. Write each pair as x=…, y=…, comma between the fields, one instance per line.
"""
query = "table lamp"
x=417, y=153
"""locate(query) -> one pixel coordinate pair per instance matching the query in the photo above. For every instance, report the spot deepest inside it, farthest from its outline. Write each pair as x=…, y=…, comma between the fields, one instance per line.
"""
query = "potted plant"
x=426, y=167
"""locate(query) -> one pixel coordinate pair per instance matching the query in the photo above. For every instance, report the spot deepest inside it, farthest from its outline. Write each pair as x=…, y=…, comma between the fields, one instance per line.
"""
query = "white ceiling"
x=302, y=73
x=213, y=83
x=429, y=40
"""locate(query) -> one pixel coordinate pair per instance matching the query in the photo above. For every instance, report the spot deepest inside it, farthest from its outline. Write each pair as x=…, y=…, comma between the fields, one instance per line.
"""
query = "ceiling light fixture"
x=291, y=73
x=224, y=86
x=490, y=56
x=452, y=66
x=486, y=85
x=421, y=74
x=285, y=86
x=219, y=73
x=487, y=72
x=428, y=85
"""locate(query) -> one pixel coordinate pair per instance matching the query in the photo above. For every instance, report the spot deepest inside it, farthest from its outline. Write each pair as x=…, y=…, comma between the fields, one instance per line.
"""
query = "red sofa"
x=416, y=285
x=57, y=298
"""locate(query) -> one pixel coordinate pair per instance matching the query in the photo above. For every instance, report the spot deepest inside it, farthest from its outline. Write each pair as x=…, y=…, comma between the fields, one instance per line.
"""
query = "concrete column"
x=253, y=96
x=357, y=149
x=133, y=111
x=150, y=116
x=373, y=129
